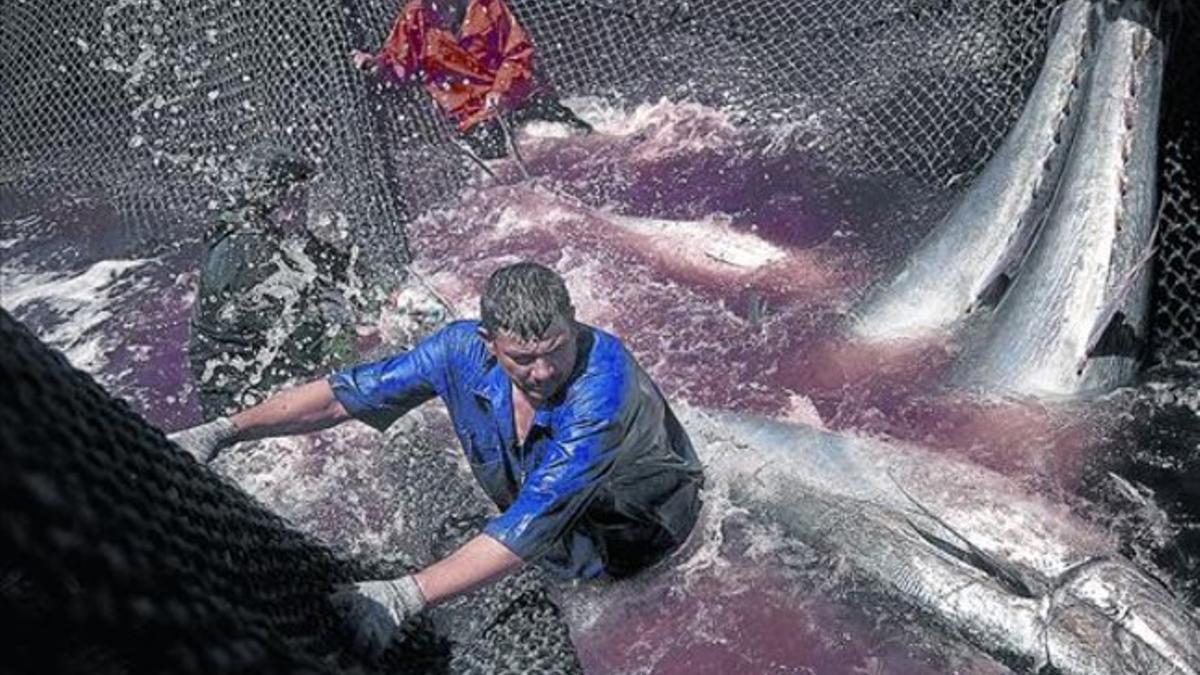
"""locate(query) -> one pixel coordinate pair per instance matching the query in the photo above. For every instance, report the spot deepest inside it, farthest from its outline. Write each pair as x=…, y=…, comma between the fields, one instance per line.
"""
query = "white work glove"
x=373, y=610
x=204, y=441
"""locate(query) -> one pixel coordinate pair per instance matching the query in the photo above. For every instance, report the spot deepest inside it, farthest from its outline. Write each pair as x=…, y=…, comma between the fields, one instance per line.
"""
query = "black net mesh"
x=1176, y=328
x=141, y=104
x=119, y=553
x=919, y=87
x=144, y=104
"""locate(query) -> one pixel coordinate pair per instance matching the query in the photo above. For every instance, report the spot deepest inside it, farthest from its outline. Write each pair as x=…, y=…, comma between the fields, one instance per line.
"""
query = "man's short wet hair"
x=523, y=300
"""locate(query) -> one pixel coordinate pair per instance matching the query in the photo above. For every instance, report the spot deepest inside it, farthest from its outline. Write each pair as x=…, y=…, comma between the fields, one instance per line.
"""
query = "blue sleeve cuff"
x=503, y=529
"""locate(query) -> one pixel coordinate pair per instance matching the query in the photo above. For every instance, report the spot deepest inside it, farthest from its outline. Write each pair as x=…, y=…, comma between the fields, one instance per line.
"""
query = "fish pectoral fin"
x=971, y=555
x=946, y=546
x=1004, y=574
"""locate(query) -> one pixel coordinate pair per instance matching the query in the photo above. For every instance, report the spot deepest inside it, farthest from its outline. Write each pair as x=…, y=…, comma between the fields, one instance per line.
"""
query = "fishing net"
x=119, y=553
x=138, y=560
x=1175, y=326
x=142, y=104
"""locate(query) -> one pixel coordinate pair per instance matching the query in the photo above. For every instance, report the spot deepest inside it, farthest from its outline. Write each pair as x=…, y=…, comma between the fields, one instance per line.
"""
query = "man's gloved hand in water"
x=373, y=610
x=204, y=441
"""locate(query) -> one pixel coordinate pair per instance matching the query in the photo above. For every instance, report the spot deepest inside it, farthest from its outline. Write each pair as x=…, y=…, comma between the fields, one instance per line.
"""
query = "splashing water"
x=726, y=261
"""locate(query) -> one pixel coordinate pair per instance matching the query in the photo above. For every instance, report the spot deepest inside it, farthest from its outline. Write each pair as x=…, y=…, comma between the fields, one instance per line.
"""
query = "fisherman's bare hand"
x=374, y=610
x=204, y=441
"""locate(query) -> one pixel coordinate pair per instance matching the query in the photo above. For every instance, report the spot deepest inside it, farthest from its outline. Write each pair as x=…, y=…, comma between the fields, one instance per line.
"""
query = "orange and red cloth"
x=490, y=54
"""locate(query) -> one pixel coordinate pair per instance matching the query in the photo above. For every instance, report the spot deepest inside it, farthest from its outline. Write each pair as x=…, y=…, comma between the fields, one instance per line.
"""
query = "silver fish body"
x=1071, y=321
x=986, y=232
x=1018, y=577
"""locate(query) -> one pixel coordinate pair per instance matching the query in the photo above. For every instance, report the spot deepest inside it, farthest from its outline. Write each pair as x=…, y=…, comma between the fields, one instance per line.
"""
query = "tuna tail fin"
x=1005, y=575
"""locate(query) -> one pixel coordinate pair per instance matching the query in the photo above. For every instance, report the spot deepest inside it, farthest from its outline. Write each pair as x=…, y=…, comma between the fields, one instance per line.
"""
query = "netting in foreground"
x=119, y=553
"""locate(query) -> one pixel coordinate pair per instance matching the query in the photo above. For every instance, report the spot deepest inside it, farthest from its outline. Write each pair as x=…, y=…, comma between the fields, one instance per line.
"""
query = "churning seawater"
x=726, y=259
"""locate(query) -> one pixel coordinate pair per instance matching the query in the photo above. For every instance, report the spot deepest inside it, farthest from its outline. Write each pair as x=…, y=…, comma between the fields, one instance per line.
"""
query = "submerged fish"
x=1019, y=577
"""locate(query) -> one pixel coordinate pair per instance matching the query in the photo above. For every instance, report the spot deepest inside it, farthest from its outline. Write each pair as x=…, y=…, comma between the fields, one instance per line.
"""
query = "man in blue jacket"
x=592, y=473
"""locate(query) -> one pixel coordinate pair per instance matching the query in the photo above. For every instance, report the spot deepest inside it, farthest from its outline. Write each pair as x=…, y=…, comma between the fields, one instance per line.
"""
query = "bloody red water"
x=728, y=266
x=754, y=324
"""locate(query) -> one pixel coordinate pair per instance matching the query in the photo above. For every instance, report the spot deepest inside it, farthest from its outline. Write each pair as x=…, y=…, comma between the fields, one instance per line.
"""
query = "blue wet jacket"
x=606, y=482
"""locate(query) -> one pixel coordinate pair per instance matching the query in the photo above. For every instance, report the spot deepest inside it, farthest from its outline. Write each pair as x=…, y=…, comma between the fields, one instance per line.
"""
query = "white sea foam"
x=659, y=130
x=83, y=301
